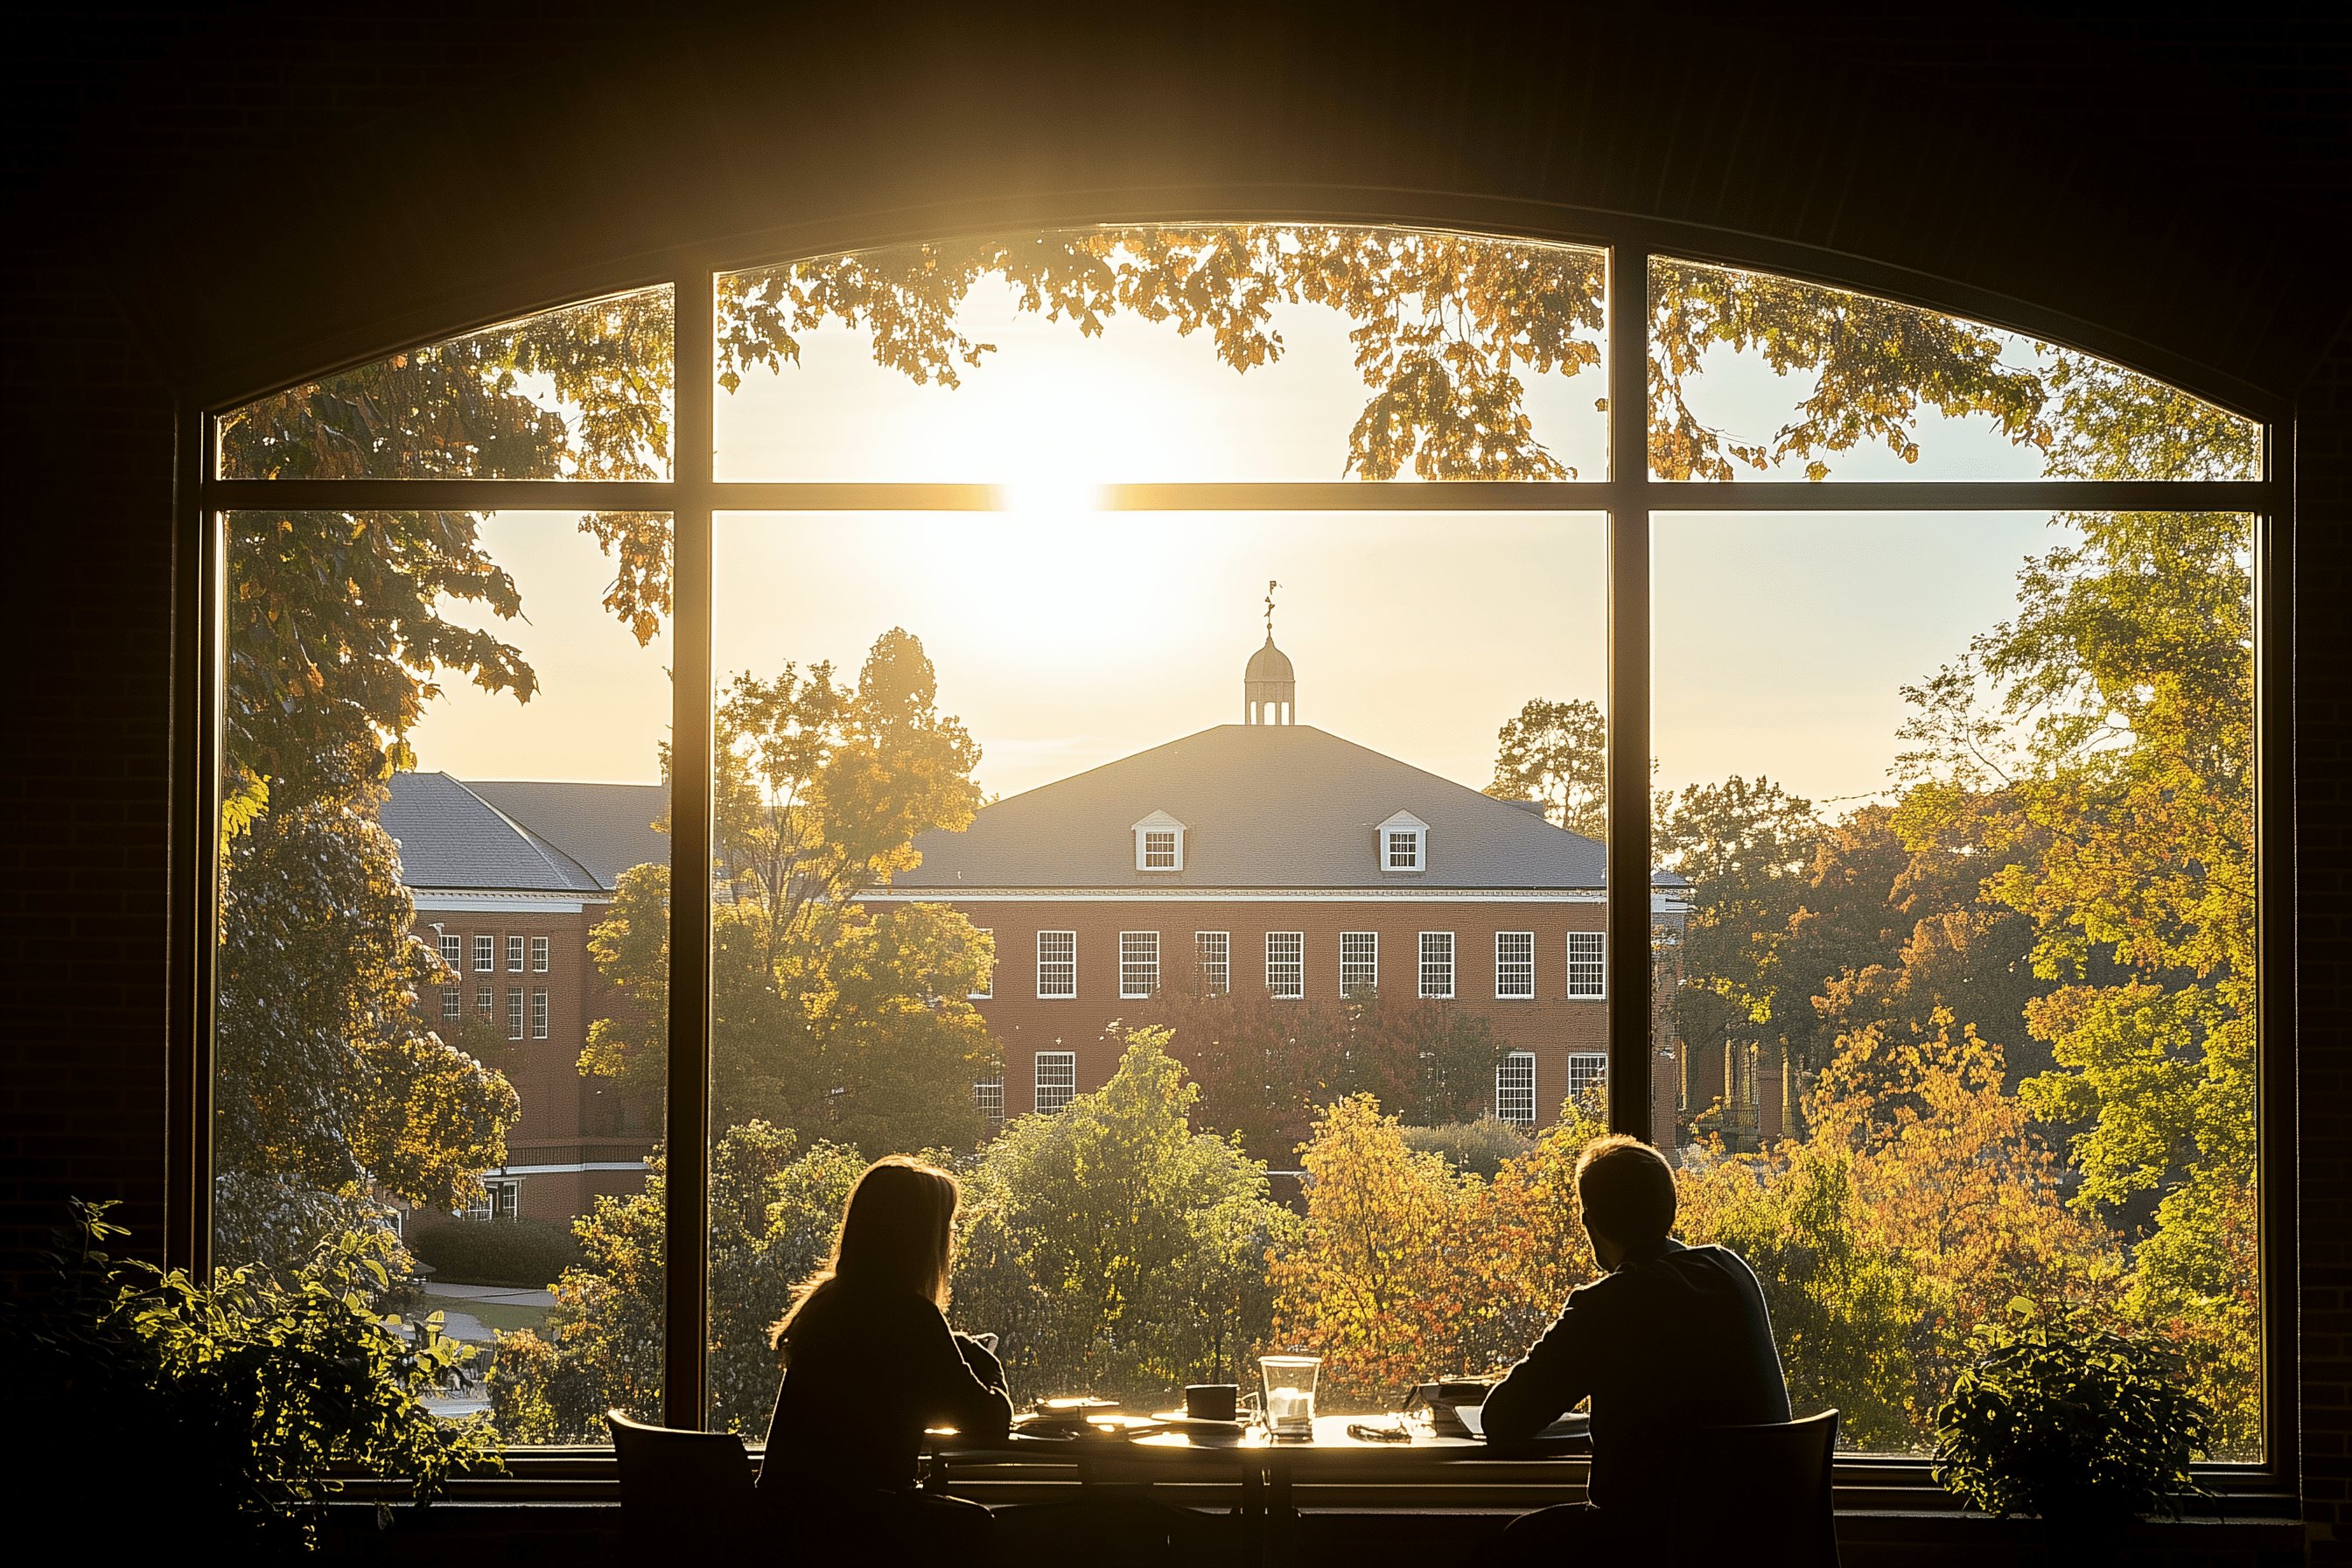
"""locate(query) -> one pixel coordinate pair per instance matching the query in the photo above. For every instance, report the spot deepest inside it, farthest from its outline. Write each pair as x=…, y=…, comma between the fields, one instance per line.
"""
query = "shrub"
x=1473, y=1148
x=530, y=1254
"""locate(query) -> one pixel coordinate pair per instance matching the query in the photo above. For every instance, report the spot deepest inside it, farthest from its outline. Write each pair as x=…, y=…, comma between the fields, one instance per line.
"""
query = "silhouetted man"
x=1669, y=1338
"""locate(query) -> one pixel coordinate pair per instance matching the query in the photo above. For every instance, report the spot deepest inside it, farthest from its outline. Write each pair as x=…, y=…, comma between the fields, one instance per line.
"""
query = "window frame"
x=486, y=953
x=1528, y=938
x=1038, y=1085
x=1600, y=940
x=1223, y=985
x=987, y=991
x=540, y=954
x=1627, y=496
x=539, y=1013
x=1453, y=963
x=1369, y=965
x=1132, y=943
x=1071, y=994
x=1515, y=1063
x=1296, y=942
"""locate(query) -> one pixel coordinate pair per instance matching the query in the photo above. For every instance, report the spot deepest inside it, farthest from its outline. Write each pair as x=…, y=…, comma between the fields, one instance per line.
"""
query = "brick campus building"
x=509, y=877
x=1269, y=853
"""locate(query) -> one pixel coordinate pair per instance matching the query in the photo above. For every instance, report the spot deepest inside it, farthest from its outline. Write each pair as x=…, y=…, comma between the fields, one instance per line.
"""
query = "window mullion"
x=686, y=1134
x=1628, y=949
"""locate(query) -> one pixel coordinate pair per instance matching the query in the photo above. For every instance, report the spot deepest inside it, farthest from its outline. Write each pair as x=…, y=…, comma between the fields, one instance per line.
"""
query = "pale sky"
x=1066, y=639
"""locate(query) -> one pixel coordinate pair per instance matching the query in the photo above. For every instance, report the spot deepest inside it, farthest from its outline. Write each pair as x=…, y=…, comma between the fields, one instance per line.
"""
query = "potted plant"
x=231, y=1403
x=2069, y=1423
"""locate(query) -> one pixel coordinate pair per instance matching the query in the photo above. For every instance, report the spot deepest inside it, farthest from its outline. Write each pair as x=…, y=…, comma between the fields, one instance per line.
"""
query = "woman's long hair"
x=898, y=1233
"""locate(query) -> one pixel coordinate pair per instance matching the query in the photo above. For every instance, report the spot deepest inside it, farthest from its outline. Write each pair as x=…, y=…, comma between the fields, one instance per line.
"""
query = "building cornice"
x=1243, y=895
x=487, y=900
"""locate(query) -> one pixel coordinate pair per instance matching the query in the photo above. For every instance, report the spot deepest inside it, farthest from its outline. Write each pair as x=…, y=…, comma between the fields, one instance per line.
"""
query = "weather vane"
x=1270, y=586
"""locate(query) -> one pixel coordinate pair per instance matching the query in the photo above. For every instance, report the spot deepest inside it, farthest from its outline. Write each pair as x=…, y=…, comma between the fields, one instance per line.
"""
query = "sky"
x=1065, y=637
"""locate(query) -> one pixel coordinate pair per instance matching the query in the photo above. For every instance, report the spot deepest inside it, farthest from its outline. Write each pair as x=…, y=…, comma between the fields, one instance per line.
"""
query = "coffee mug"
x=1211, y=1401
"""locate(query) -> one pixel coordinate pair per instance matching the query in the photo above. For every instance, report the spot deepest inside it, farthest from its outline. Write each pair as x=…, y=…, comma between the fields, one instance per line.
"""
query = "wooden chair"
x=1768, y=1489
x=679, y=1489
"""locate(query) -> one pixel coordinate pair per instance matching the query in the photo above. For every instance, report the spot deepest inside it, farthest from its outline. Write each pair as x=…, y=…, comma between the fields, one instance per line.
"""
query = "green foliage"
x=2074, y=1424
x=1114, y=1250
x=260, y=1390
x=525, y=1253
x=825, y=1012
x=774, y=1210
x=1473, y=1148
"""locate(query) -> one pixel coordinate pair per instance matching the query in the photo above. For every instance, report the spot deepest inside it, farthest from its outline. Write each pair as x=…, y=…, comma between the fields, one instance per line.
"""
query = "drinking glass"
x=1290, y=1394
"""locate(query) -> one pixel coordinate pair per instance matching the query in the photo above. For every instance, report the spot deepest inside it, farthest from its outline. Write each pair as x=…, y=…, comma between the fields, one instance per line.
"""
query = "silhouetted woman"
x=869, y=1362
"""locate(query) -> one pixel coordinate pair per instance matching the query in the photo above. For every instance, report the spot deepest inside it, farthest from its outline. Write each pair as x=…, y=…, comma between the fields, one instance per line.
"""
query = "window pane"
x=1000, y=711
x=580, y=393
x=1242, y=352
x=1966, y=804
x=419, y=1040
x=1754, y=376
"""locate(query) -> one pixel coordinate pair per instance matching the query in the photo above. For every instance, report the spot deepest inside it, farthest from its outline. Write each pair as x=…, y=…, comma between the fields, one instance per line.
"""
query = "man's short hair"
x=1627, y=1189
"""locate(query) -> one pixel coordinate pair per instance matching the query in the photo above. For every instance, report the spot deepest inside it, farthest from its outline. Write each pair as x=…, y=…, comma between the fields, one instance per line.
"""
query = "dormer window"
x=1401, y=843
x=1159, y=843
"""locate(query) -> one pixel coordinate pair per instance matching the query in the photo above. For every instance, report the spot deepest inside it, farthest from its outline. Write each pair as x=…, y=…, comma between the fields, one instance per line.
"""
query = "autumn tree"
x=825, y=1014
x=1557, y=753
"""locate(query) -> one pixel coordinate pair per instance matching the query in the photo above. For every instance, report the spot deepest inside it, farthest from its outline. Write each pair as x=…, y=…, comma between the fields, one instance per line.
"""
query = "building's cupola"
x=1269, y=689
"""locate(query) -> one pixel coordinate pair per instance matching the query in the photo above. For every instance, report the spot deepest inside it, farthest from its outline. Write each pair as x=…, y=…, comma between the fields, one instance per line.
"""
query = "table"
x=1271, y=1471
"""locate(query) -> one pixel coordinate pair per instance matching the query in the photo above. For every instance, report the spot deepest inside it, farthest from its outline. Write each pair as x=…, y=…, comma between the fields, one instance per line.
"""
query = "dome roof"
x=1269, y=663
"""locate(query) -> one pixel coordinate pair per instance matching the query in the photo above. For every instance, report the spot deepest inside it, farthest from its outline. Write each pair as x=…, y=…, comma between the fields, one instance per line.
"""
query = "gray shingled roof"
x=607, y=828
x=451, y=837
x=1268, y=806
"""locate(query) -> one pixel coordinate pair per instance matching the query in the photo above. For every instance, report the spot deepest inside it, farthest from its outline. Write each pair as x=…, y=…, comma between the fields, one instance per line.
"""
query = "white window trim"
x=1158, y=822
x=1298, y=937
x=988, y=1099
x=453, y=1004
x=1599, y=957
x=1528, y=995
x=1136, y=942
x=1043, y=995
x=453, y=951
x=514, y=1012
x=538, y=1015
x=514, y=955
x=1224, y=983
x=987, y=991
x=1374, y=938
x=1577, y=1060
x=1515, y=1063
x=1453, y=966
x=1403, y=822
x=539, y=952
x=486, y=954
x=1060, y=1061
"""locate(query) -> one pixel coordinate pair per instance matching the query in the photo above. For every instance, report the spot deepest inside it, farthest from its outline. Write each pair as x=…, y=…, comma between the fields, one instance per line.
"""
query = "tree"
x=1114, y=1249
x=825, y=1012
x=773, y=1210
x=1558, y=753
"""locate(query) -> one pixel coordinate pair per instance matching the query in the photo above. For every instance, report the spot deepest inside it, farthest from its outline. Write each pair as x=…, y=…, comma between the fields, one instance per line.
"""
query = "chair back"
x=1768, y=1489
x=681, y=1489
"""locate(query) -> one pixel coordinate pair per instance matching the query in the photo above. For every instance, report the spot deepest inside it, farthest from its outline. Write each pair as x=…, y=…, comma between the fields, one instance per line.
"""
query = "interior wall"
x=210, y=206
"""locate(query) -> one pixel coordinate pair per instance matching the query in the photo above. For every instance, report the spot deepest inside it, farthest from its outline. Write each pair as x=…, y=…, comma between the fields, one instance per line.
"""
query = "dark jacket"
x=1664, y=1343
x=868, y=1371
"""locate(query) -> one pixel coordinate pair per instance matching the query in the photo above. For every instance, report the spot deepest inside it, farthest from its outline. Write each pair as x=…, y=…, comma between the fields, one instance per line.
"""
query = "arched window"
x=1885, y=691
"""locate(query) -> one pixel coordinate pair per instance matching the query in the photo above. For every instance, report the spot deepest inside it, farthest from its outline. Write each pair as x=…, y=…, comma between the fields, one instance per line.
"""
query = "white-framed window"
x=514, y=955
x=988, y=1099
x=1159, y=843
x=499, y=1200
x=453, y=1004
x=1515, y=1088
x=514, y=1013
x=987, y=990
x=452, y=951
x=1360, y=962
x=484, y=1000
x=538, y=1015
x=1437, y=963
x=1057, y=1080
x=1057, y=963
x=1515, y=964
x=1138, y=964
x=1585, y=970
x=1403, y=842
x=1285, y=964
x=1586, y=1069
x=1213, y=950
x=486, y=954
x=539, y=955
